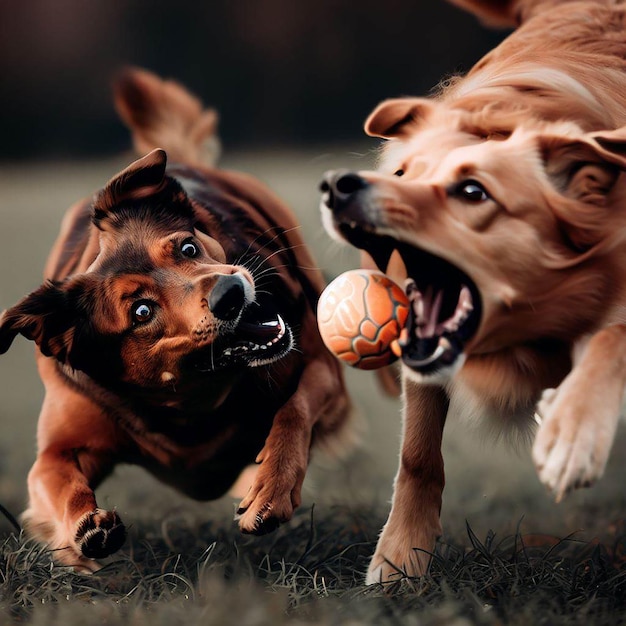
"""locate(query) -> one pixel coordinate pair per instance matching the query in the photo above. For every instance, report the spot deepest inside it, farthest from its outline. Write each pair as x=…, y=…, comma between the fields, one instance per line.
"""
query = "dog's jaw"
x=445, y=309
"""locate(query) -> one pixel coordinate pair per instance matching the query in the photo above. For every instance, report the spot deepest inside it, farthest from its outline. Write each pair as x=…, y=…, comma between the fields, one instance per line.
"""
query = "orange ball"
x=359, y=315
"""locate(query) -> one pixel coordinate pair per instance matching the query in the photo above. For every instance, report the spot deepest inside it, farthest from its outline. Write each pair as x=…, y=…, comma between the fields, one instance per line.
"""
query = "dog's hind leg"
x=408, y=538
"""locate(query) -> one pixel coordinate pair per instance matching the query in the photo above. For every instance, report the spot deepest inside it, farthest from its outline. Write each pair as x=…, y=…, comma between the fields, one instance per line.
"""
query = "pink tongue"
x=426, y=309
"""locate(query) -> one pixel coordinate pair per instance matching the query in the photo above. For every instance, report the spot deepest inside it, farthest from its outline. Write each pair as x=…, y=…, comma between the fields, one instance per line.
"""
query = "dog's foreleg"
x=63, y=512
x=409, y=536
x=75, y=442
x=275, y=492
x=580, y=418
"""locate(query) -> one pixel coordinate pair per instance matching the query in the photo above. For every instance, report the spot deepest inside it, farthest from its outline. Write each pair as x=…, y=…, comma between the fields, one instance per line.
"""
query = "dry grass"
x=311, y=572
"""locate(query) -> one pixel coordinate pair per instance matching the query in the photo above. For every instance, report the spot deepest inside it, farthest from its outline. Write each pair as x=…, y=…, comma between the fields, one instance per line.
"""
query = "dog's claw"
x=262, y=526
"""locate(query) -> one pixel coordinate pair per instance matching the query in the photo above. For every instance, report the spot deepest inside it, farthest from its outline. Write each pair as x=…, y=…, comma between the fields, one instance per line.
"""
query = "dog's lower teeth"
x=247, y=347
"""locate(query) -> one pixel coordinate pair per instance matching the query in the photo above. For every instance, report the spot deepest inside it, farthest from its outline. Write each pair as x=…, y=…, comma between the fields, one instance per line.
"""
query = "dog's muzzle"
x=445, y=306
x=339, y=190
x=348, y=202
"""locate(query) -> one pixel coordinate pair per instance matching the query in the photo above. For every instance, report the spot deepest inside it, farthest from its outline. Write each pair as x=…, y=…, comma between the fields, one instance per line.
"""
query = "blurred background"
x=293, y=82
x=280, y=72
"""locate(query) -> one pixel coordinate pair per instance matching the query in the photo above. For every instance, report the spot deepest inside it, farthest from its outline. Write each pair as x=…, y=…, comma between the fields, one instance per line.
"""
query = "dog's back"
x=565, y=61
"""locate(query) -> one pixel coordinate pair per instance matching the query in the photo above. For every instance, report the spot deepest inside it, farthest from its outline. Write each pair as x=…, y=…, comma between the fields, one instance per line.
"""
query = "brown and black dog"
x=501, y=204
x=175, y=330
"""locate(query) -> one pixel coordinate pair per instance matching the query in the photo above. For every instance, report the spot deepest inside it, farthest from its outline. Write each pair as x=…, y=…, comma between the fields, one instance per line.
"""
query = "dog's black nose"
x=227, y=297
x=339, y=186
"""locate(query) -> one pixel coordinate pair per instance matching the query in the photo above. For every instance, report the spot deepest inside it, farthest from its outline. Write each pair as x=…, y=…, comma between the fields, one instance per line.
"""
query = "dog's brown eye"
x=142, y=312
x=189, y=249
x=399, y=173
x=472, y=191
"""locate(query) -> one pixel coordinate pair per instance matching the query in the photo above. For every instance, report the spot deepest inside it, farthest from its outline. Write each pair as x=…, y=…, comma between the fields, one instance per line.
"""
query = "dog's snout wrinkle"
x=228, y=297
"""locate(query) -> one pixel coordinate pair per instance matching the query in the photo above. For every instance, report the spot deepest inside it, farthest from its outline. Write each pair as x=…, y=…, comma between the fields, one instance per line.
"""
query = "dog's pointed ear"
x=397, y=117
x=145, y=177
x=47, y=316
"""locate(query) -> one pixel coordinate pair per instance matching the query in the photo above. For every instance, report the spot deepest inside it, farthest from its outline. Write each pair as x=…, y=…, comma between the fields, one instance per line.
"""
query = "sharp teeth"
x=463, y=309
x=426, y=309
x=409, y=286
x=404, y=339
x=418, y=307
x=396, y=347
x=271, y=323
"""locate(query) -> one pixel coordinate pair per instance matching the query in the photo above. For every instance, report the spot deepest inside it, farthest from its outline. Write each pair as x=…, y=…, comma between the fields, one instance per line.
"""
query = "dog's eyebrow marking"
x=132, y=295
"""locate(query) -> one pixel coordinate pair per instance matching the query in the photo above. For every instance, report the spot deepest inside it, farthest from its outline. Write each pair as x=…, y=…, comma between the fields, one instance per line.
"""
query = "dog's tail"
x=505, y=13
x=163, y=114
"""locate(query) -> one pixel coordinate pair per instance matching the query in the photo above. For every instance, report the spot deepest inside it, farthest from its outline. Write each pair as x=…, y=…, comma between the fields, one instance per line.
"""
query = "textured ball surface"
x=359, y=314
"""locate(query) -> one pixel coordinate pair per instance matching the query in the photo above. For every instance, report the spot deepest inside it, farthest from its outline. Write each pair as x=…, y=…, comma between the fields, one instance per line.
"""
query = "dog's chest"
x=489, y=412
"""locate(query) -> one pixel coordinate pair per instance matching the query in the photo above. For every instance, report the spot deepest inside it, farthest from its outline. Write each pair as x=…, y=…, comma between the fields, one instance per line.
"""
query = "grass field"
x=509, y=554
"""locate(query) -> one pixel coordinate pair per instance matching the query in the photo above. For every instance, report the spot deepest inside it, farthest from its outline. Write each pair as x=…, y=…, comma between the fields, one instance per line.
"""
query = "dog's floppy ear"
x=57, y=317
x=145, y=177
x=397, y=117
x=47, y=316
x=584, y=169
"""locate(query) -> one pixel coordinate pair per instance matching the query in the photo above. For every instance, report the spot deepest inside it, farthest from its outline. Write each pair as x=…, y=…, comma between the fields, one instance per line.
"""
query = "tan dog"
x=175, y=330
x=502, y=205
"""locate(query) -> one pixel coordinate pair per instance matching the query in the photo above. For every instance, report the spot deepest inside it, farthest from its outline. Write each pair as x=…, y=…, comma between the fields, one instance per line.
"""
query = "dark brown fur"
x=160, y=390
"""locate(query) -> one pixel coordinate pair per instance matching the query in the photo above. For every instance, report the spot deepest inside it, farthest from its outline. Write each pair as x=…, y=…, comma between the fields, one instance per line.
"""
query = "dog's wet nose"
x=228, y=297
x=339, y=186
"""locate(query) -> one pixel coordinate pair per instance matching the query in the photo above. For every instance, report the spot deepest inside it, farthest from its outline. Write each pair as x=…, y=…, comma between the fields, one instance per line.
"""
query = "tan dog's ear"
x=397, y=117
x=611, y=144
x=143, y=178
x=584, y=169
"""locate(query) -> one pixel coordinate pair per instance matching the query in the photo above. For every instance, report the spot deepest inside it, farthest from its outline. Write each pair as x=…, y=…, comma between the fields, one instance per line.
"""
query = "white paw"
x=571, y=450
x=402, y=552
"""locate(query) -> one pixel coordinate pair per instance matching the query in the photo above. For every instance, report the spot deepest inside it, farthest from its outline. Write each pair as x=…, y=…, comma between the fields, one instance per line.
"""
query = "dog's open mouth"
x=261, y=337
x=445, y=306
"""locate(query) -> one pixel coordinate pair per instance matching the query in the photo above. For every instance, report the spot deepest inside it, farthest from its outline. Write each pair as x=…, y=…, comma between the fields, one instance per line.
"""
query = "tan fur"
x=181, y=362
x=540, y=123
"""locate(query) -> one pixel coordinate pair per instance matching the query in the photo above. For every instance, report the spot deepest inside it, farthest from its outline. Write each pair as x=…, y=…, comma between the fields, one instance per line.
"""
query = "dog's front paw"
x=271, y=499
x=99, y=533
x=571, y=448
